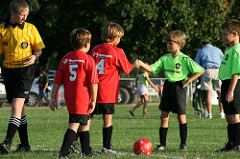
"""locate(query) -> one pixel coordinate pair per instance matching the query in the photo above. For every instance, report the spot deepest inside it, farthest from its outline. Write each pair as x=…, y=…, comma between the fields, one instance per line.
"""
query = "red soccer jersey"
x=109, y=59
x=77, y=72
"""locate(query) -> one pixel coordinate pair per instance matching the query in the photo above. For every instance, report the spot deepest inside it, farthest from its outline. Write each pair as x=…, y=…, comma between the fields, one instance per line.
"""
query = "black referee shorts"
x=234, y=106
x=173, y=97
x=104, y=108
x=18, y=81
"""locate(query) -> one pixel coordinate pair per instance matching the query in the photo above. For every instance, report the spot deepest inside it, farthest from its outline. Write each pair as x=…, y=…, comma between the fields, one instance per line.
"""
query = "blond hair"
x=232, y=25
x=79, y=37
x=177, y=36
x=111, y=31
x=18, y=5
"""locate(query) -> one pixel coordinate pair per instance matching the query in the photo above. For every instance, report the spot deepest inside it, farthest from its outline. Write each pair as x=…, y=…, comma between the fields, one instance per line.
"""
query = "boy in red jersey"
x=109, y=60
x=77, y=73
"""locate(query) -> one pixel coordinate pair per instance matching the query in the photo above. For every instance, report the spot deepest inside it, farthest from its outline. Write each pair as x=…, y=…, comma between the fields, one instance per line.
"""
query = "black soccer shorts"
x=18, y=81
x=234, y=106
x=104, y=108
x=173, y=97
x=79, y=118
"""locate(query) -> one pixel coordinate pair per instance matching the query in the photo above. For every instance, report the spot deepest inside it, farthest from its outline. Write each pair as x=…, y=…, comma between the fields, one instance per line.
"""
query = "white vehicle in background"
x=33, y=98
x=3, y=100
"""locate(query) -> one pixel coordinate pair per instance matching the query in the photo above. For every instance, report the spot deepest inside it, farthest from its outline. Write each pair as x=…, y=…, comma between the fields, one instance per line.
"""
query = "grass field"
x=47, y=128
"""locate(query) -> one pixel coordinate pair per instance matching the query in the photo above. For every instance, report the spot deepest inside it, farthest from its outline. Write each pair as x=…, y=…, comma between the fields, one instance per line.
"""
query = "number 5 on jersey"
x=73, y=72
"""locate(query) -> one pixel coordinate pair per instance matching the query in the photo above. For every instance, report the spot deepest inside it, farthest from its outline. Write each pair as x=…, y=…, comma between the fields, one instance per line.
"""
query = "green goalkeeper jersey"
x=230, y=64
x=176, y=69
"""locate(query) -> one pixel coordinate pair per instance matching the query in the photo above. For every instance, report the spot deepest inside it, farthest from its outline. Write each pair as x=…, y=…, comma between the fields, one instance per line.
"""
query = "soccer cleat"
x=229, y=147
x=160, y=147
x=75, y=147
x=209, y=116
x=131, y=113
x=23, y=148
x=105, y=150
x=222, y=115
x=5, y=147
x=83, y=155
x=60, y=156
x=235, y=148
x=183, y=147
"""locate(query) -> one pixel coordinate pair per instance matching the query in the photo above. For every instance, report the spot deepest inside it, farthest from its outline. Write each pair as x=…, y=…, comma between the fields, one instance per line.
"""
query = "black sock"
x=12, y=128
x=163, y=135
x=84, y=140
x=231, y=136
x=77, y=135
x=22, y=131
x=183, y=133
x=107, y=135
x=67, y=141
x=237, y=133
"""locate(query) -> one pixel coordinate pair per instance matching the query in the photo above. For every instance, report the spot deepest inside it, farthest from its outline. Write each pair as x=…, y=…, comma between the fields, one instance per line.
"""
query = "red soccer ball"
x=142, y=147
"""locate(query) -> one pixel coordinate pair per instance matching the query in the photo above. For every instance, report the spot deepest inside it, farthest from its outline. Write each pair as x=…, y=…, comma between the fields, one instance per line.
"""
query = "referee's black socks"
x=22, y=131
x=12, y=128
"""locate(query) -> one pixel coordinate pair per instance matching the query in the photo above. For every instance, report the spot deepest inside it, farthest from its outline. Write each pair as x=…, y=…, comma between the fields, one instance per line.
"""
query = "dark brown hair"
x=232, y=25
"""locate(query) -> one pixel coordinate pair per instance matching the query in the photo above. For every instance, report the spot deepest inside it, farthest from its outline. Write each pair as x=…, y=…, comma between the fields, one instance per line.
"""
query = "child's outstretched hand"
x=53, y=104
x=156, y=89
x=137, y=63
x=91, y=107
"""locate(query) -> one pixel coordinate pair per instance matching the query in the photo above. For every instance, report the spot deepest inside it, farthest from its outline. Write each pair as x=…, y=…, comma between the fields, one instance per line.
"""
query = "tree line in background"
x=146, y=23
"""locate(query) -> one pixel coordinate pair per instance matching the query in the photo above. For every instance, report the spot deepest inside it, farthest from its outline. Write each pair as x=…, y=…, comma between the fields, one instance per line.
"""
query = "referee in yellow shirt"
x=21, y=44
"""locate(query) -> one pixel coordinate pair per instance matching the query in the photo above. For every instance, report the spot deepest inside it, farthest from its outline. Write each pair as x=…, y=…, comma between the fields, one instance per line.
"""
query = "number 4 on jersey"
x=100, y=66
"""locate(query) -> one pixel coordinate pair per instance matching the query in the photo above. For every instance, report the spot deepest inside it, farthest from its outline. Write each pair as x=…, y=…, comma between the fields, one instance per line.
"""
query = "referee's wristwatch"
x=36, y=56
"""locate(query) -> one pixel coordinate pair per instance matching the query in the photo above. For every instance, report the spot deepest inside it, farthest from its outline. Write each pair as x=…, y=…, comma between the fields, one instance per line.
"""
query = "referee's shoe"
x=5, y=147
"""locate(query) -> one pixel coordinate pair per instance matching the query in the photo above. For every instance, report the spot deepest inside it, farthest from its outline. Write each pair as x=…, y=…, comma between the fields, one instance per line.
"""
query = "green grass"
x=47, y=128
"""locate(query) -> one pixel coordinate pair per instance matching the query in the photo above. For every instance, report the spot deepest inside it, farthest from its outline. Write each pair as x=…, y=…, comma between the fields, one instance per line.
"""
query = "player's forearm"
x=37, y=53
x=150, y=82
x=94, y=89
x=233, y=82
x=146, y=66
x=55, y=90
x=195, y=76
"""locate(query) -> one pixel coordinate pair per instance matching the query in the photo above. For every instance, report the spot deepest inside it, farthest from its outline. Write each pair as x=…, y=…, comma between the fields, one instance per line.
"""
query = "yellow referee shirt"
x=18, y=43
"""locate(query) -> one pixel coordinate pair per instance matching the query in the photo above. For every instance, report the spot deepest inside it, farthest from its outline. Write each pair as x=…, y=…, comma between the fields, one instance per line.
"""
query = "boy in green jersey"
x=229, y=74
x=176, y=67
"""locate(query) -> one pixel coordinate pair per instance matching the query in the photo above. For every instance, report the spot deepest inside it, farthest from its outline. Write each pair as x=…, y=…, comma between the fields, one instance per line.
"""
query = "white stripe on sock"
x=14, y=121
x=23, y=121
